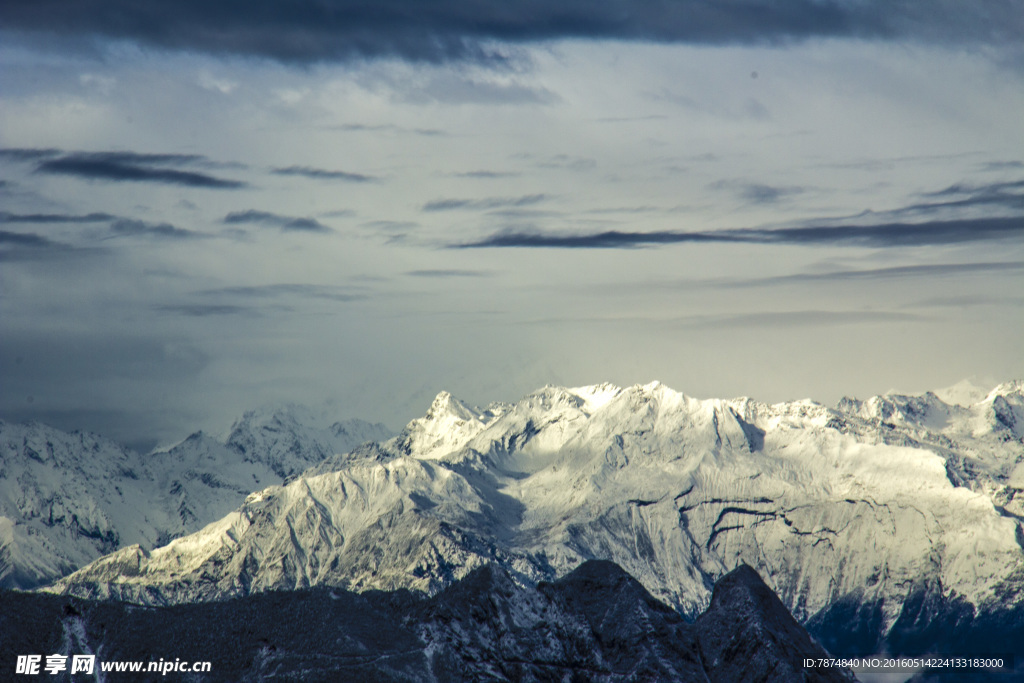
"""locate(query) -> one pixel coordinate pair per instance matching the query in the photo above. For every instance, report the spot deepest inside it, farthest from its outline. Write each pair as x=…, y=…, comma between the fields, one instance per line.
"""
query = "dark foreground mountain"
x=595, y=624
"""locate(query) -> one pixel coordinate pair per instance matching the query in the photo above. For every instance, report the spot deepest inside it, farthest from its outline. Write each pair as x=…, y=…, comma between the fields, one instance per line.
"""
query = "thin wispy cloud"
x=564, y=162
x=758, y=193
x=137, y=228
x=448, y=273
x=1002, y=166
x=978, y=190
x=388, y=128
x=22, y=154
x=487, y=174
x=324, y=174
x=132, y=167
x=286, y=290
x=936, y=270
x=307, y=31
x=6, y=217
x=485, y=204
x=24, y=239
x=204, y=310
x=284, y=223
x=30, y=246
x=804, y=318
x=881, y=235
x=753, y=320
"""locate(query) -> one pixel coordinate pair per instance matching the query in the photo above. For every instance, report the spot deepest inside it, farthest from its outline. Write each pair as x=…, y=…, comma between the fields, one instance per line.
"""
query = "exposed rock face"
x=748, y=635
x=596, y=624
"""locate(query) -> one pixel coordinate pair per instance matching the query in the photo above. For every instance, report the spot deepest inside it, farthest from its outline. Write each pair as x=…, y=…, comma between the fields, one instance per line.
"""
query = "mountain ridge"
x=868, y=499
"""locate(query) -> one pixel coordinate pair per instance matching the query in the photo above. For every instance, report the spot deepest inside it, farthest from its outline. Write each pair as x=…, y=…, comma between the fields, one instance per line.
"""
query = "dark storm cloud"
x=285, y=223
x=131, y=167
x=55, y=217
x=484, y=204
x=314, y=30
x=881, y=235
x=127, y=226
x=323, y=174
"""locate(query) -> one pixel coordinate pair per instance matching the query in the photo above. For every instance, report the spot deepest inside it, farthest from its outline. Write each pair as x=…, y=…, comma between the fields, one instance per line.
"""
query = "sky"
x=211, y=206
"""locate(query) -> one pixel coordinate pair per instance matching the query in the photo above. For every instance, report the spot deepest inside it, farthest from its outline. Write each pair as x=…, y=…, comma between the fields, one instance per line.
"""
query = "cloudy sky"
x=209, y=206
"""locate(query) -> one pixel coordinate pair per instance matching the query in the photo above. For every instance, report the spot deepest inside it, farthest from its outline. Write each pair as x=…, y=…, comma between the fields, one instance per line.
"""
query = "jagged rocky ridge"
x=866, y=506
x=68, y=498
x=596, y=624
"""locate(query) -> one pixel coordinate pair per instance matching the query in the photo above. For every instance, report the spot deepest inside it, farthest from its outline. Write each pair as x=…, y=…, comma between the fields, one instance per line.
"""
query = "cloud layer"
x=310, y=30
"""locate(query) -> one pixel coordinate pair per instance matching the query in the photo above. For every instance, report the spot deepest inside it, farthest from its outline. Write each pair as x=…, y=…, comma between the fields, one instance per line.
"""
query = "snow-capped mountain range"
x=68, y=498
x=866, y=503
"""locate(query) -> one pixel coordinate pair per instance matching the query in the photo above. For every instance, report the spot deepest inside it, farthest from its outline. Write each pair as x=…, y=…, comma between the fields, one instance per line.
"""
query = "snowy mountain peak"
x=446, y=406
x=447, y=426
x=1008, y=390
x=596, y=396
x=964, y=393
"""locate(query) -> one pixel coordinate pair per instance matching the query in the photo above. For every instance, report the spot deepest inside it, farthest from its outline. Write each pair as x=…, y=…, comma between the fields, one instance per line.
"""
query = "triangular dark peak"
x=598, y=585
x=636, y=633
x=747, y=634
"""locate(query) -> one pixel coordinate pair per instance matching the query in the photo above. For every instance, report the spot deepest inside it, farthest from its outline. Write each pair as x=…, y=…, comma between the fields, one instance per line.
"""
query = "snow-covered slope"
x=66, y=499
x=869, y=502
